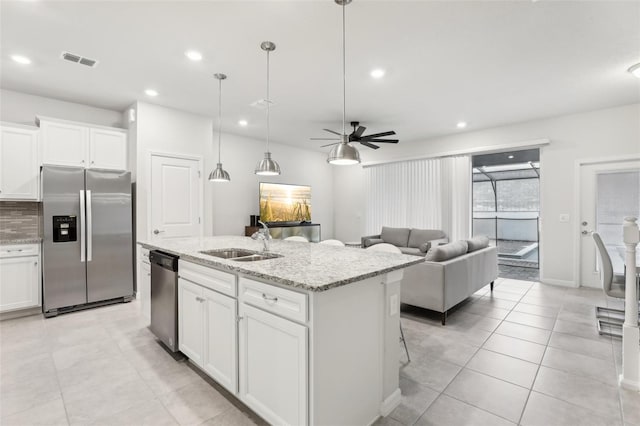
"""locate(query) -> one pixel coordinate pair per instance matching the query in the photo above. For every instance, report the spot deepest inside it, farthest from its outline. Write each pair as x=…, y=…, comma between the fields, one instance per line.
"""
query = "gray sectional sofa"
x=450, y=274
x=409, y=240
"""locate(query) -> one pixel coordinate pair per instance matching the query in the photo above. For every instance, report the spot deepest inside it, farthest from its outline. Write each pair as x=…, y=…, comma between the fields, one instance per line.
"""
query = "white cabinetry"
x=207, y=322
x=19, y=168
x=273, y=366
x=19, y=277
x=144, y=283
x=67, y=143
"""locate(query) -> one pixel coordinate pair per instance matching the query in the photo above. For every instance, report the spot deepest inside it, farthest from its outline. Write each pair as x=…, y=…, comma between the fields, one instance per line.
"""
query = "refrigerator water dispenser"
x=64, y=229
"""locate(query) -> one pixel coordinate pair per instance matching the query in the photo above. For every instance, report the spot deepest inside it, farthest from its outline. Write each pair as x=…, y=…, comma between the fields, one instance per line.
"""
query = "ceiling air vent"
x=262, y=104
x=79, y=59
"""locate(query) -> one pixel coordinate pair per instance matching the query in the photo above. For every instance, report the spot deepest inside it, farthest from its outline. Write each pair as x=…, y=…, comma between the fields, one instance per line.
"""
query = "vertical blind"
x=428, y=193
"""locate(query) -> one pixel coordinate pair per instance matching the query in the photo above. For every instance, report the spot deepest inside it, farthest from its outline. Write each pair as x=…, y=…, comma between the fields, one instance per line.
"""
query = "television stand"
x=280, y=231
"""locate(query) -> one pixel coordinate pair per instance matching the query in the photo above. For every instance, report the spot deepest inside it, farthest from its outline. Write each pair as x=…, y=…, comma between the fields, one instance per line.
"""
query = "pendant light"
x=343, y=153
x=267, y=166
x=219, y=174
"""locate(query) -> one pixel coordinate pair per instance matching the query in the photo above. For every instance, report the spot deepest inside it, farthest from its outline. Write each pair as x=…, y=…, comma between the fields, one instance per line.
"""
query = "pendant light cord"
x=219, y=117
x=268, y=101
x=344, y=72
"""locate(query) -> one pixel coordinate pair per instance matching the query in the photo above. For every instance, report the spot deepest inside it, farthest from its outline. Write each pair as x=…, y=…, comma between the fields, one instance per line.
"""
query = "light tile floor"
x=527, y=354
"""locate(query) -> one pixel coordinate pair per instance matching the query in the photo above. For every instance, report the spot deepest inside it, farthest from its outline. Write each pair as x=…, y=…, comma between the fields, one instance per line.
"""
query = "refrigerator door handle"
x=89, y=228
x=82, y=227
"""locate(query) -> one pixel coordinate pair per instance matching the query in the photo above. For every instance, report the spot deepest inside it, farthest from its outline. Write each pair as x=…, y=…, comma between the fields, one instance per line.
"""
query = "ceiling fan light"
x=343, y=154
x=219, y=174
x=267, y=166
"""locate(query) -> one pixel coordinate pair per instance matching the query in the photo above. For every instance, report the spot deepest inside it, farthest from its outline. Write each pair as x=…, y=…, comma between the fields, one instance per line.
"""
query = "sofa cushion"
x=477, y=243
x=368, y=242
x=419, y=236
x=447, y=251
x=396, y=236
x=412, y=251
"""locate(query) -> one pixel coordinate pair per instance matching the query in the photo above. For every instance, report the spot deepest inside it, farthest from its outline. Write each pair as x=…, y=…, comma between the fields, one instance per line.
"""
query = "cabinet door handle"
x=269, y=298
x=200, y=299
x=12, y=251
x=35, y=263
x=238, y=319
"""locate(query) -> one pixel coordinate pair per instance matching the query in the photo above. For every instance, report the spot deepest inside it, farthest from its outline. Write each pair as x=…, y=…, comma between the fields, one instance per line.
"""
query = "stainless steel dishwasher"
x=164, y=298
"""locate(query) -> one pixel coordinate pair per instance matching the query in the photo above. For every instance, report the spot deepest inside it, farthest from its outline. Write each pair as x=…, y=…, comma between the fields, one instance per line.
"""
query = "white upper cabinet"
x=107, y=149
x=64, y=144
x=75, y=144
x=19, y=169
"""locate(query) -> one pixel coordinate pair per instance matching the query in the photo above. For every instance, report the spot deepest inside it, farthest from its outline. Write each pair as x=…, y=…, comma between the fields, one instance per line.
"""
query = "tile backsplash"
x=19, y=220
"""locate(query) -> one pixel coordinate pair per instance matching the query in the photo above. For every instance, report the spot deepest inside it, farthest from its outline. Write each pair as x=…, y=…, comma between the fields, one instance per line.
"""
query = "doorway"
x=506, y=208
x=609, y=191
x=175, y=197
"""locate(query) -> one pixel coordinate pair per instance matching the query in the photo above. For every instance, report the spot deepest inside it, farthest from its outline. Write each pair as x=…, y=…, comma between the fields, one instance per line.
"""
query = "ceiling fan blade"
x=378, y=135
x=331, y=131
x=324, y=139
x=330, y=144
x=370, y=145
x=360, y=130
x=383, y=140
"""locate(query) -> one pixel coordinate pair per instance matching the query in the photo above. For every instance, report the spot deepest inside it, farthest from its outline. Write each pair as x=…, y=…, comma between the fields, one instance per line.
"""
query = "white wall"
x=17, y=107
x=596, y=134
x=227, y=205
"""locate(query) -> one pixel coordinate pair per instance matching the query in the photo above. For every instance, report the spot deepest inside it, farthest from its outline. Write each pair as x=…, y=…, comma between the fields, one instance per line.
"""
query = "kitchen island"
x=308, y=337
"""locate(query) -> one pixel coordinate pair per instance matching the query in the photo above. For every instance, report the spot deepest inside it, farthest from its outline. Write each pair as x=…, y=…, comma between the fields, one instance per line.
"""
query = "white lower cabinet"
x=273, y=366
x=19, y=278
x=191, y=320
x=207, y=330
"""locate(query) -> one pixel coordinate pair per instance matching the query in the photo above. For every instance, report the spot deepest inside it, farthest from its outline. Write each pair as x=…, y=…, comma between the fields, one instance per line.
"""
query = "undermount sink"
x=254, y=257
x=240, y=255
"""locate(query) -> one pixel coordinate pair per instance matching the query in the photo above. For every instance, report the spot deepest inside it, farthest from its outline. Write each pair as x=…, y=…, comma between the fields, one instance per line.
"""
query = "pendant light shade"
x=343, y=153
x=219, y=174
x=267, y=166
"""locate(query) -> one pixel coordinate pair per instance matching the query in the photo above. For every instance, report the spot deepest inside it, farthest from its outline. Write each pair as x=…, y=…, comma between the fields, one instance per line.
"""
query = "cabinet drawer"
x=19, y=250
x=286, y=303
x=213, y=279
x=144, y=255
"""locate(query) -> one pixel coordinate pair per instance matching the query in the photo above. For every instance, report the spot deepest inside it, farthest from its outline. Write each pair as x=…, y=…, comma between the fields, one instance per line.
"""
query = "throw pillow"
x=478, y=243
x=424, y=247
x=447, y=251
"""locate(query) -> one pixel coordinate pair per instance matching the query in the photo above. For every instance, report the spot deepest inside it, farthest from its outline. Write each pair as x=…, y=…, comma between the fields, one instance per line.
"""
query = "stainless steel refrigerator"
x=87, y=248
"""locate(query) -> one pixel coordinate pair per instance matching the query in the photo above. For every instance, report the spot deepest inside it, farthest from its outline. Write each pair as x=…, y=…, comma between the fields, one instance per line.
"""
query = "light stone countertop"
x=7, y=242
x=309, y=266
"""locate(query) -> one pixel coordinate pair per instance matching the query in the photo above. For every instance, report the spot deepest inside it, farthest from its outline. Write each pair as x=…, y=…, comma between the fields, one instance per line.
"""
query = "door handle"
x=83, y=235
x=89, y=228
x=157, y=231
x=585, y=232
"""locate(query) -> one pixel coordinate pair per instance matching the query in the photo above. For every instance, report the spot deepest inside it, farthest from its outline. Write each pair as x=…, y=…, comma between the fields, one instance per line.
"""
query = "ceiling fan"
x=357, y=136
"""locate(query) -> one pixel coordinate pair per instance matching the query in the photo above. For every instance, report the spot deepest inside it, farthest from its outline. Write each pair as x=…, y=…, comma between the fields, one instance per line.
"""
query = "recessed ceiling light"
x=635, y=70
x=151, y=92
x=194, y=55
x=510, y=157
x=461, y=124
x=243, y=123
x=377, y=73
x=21, y=59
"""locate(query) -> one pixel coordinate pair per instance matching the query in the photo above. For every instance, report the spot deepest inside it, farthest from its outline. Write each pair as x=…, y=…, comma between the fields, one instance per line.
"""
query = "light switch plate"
x=564, y=217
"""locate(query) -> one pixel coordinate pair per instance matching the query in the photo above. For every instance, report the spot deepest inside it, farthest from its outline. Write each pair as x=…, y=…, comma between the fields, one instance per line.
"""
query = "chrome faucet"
x=264, y=235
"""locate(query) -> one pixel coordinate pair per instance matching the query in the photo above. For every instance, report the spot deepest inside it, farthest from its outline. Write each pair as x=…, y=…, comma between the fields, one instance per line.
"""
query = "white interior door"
x=608, y=192
x=176, y=197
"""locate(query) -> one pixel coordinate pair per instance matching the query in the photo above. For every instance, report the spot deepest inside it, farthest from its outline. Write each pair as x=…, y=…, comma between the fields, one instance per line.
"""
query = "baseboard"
x=628, y=384
x=21, y=313
x=561, y=283
x=390, y=403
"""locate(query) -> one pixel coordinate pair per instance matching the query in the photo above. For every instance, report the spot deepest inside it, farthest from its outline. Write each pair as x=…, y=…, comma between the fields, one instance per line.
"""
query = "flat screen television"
x=283, y=203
